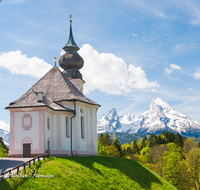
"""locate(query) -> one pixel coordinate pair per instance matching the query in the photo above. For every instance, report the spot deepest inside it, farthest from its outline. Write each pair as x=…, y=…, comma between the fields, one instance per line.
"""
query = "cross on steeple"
x=70, y=16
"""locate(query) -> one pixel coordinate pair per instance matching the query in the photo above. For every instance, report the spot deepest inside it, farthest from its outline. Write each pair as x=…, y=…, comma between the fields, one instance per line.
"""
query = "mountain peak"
x=159, y=102
x=158, y=117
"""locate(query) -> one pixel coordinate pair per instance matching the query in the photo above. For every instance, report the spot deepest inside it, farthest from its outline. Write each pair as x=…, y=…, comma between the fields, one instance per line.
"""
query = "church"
x=53, y=115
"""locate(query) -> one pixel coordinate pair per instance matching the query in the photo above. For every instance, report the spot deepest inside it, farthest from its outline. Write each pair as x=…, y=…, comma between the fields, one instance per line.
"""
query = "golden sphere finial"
x=70, y=16
x=55, y=60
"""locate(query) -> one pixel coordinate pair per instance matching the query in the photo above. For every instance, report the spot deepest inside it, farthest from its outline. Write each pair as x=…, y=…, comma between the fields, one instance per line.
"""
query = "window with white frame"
x=67, y=126
x=82, y=127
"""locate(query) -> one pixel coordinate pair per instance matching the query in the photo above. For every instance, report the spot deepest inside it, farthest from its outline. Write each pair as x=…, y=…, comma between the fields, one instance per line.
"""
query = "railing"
x=24, y=165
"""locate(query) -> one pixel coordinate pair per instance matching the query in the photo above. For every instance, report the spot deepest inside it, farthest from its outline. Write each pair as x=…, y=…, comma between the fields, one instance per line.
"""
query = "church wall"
x=48, y=116
x=74, y=133
x=66, y=142
x=54, y=131
x=88, y=144
x=21, y=134
x=67, y=104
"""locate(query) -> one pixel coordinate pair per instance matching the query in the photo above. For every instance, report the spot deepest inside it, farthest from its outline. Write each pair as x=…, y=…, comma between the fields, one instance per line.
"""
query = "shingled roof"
x=55, y=87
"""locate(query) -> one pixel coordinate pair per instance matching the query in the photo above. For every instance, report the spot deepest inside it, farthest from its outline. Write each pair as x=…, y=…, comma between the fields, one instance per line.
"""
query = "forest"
x=172, y=156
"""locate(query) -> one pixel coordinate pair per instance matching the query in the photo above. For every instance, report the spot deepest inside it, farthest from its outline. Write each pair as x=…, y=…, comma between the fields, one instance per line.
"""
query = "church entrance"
x=26, y=150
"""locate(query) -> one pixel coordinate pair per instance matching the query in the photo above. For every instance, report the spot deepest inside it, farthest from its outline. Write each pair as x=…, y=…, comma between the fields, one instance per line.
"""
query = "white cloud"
x=134, y=34
x=173, y=66
x=144, y=33
x=180, y=46
x=4, y=126
x=62, y=52
x=166, y=34
x=17, y=63
x=197, y=74
x=168, y=70
x=111, y=74
x=190, y=88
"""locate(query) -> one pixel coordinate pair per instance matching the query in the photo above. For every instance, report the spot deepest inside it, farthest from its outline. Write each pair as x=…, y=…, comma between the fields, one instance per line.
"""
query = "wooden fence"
x=23, y=166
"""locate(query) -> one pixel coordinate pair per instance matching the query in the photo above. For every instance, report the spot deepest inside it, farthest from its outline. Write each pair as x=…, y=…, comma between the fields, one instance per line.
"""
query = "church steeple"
x=71, y=61
x=71, y=44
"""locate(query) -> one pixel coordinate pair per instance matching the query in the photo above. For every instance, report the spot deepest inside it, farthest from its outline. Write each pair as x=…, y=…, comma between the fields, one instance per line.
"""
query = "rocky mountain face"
x=158, y=117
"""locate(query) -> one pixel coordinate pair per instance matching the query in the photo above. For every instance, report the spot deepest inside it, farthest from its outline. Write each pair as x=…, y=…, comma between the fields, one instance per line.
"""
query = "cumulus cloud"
x=4, y=126
x=173, y=67
x=110, y=74
x=17, y=63
x=134, y=34
x=197, y=74
x=180, y=46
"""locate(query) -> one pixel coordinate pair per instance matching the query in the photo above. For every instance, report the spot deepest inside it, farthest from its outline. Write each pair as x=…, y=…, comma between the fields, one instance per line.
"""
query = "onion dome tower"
x=71, y=61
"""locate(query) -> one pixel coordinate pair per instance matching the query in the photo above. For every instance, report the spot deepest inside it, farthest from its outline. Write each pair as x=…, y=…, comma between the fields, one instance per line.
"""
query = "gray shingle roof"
x=55, y=87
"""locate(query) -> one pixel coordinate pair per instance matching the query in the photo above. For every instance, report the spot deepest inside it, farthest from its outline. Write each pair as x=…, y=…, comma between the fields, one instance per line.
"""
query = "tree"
x=105, y=139
x=157, y=158
x=152, y=140
x=189, y=144
x=134, y=147
x=178, y=140
x=145, y=155
x=101, y=150
x=172, y=159
x=3, y=151
x=193, y=159
x=118, y=146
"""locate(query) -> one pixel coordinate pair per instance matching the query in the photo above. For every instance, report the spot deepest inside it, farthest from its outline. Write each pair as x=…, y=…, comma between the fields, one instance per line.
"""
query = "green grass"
x=89, y=173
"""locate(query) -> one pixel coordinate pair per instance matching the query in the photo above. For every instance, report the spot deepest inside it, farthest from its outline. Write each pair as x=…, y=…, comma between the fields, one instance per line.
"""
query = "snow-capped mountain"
x=5, y=132
x=158, y=117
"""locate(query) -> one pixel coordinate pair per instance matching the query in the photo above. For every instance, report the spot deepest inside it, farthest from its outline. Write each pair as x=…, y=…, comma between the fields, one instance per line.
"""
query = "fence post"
x=10, y=173
x=24, y=167
x=17, y=170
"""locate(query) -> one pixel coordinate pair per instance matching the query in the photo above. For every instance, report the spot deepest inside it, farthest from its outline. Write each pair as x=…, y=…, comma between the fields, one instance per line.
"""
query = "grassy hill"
x=89, y=173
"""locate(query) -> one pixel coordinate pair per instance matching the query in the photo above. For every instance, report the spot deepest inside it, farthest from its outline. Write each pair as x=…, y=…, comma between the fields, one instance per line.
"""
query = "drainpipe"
x=71, y=125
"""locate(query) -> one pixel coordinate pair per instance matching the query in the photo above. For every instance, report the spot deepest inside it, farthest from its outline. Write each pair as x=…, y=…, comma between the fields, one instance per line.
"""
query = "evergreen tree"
x=105, y=139
x=118, y=146
x=178, y=140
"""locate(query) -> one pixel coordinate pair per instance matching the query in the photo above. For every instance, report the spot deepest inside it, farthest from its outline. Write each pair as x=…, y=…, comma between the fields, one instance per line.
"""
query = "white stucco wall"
x=65, y=140
x=48, y=132
x=20, y=133
x=54, y=132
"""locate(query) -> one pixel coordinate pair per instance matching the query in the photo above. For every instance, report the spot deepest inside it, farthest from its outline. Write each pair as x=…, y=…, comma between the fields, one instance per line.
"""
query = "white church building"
x=54, y=115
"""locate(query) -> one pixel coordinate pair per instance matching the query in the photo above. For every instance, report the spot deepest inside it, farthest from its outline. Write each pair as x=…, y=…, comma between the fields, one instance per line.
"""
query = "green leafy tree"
x=193, y=159
x=172, y=159
x=145, y=155
x=112, y=150
x=101, y=150
x=3, y=151
x=134, y=147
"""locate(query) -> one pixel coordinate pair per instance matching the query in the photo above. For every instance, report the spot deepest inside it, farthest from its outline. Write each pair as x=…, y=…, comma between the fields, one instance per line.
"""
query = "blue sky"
x=134, y=50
